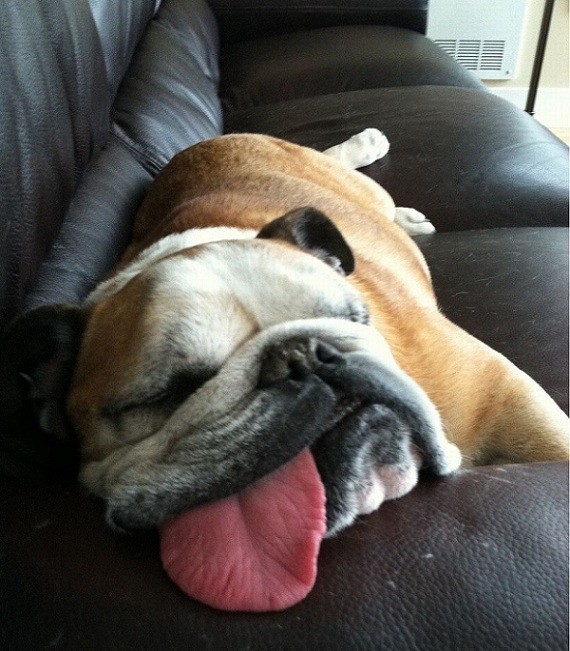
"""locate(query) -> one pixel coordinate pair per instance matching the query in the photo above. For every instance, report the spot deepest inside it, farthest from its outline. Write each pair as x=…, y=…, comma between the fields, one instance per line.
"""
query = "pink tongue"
x=255, y=551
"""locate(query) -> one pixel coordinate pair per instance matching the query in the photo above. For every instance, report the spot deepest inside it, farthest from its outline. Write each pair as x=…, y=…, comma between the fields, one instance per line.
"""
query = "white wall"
x=553, y=99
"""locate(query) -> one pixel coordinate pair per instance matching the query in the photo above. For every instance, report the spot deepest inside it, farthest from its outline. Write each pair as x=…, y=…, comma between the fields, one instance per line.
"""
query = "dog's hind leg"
x=365, y=148
x=413, y=221
x=361, y=149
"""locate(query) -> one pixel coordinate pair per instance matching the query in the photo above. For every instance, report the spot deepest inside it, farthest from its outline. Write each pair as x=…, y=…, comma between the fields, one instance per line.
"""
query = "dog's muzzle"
x=325, y=384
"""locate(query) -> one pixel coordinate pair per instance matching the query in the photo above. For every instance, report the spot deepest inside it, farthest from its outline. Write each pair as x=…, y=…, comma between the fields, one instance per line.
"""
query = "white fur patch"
x=453, y=456
x=166, y=246
x=413, y=221
x=362, y=149
x=371, y=500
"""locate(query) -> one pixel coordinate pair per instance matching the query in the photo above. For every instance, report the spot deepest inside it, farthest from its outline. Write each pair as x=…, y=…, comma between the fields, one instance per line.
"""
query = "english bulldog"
x=272, y=301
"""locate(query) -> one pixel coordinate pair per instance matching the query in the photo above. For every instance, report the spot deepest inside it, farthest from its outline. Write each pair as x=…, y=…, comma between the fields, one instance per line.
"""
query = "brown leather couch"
x=97, y=95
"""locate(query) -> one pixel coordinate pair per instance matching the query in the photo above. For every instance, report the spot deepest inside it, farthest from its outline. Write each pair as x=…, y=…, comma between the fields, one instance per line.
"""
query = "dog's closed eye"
x=179, y=386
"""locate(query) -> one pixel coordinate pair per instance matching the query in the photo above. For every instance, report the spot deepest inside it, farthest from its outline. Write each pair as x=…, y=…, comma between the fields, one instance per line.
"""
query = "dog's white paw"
x=360, y=150
x=372, y=144
x=453, y=458
x=413, y=221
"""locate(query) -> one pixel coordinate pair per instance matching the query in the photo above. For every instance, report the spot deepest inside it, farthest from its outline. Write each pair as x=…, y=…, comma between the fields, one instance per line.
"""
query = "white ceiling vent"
x=482, y=35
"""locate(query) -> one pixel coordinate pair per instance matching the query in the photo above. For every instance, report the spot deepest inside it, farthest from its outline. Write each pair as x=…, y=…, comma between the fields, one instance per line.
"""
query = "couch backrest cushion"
x=333, y=60
x=241, y=20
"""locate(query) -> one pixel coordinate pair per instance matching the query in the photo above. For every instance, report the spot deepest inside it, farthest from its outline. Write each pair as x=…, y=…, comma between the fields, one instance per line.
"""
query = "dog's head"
x=198, y=369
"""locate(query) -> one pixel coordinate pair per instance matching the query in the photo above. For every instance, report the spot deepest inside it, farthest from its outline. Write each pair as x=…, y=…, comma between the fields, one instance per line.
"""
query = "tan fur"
x=489, y=408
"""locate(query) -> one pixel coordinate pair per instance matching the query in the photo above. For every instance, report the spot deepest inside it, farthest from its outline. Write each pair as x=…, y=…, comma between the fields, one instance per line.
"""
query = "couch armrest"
x=241, y=20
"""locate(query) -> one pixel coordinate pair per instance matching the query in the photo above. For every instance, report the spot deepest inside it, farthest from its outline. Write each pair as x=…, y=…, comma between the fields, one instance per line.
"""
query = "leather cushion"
x=509, y=288
x=474, y=561
x=464, y=158
x=333, y=60
x=242, y=20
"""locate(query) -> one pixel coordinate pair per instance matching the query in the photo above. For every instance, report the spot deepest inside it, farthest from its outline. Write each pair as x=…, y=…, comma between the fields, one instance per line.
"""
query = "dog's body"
x=222, y=306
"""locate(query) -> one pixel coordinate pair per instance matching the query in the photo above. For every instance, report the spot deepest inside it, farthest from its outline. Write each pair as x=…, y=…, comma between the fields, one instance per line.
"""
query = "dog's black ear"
x=37, y=357
x=312, y=231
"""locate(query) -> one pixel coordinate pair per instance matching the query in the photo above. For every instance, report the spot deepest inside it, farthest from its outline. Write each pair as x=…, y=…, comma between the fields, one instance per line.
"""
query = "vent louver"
x=476, y=55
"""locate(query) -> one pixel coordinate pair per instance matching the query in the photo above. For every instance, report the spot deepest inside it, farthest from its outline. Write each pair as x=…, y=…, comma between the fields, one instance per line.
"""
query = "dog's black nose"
x=296, y=359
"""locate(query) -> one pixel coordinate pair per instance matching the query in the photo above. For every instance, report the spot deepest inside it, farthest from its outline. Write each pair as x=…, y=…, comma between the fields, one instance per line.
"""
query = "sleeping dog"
x=271, y=301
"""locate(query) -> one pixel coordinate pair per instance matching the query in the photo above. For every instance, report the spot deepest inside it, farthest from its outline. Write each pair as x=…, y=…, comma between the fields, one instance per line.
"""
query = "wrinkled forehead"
x=198, y=305
x=192, y=310
x=173, y=305
x=264, y=276
x=244, y=256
